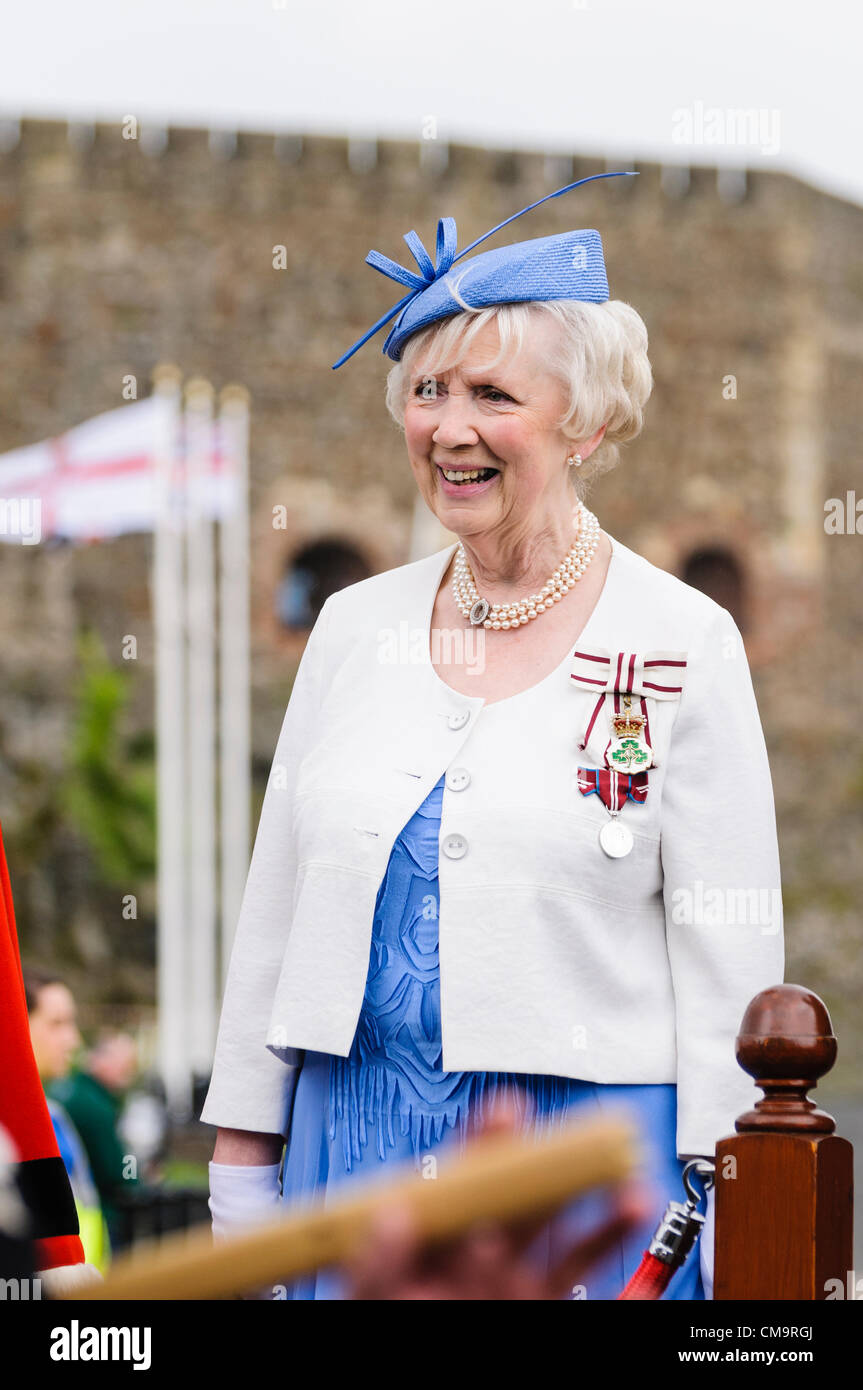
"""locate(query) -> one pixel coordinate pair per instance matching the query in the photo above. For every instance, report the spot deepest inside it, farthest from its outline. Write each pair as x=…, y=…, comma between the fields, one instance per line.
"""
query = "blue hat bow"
x=447, y=239
x=430, y=274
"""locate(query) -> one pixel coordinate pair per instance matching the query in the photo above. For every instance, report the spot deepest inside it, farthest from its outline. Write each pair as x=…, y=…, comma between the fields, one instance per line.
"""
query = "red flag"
x=23, y=1111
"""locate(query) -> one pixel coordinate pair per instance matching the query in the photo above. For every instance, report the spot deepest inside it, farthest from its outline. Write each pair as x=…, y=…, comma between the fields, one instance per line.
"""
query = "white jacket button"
x=457, y=779
x=458, y=721
x=454, y=846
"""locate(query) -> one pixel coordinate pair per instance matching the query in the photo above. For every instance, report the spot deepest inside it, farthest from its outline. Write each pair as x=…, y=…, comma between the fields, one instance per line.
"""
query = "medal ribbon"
x=613, y=788
x=658, y=674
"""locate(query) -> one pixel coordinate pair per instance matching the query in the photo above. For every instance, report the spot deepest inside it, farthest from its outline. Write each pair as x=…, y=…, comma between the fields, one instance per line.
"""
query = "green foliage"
x=109, y=792
x=182, y=1172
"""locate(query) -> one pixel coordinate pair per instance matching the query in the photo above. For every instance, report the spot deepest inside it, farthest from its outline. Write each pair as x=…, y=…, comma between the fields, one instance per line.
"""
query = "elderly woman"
x=519, y=829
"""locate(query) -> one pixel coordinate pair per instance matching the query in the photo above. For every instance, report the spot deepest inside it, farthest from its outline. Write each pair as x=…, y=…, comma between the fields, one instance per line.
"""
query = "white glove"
x=65, y=1279
x=242, y=1196
x=705, y=1245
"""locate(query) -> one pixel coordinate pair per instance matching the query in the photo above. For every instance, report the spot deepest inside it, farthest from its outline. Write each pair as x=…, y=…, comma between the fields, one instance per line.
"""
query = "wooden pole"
x=499, y=1178
x=784, y=1181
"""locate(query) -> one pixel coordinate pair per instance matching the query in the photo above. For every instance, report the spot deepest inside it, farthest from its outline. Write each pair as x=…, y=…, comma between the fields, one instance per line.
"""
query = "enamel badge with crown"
x=629, y=750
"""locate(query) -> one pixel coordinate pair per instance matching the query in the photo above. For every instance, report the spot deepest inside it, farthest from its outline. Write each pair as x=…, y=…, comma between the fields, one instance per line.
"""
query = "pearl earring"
x=576, y=460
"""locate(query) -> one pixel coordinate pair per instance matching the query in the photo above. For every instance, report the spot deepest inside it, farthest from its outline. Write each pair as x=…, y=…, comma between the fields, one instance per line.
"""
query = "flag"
x=98, y=480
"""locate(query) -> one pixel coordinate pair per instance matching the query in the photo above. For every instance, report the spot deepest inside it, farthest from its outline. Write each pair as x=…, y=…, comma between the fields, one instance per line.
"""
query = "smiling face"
x=505, y=417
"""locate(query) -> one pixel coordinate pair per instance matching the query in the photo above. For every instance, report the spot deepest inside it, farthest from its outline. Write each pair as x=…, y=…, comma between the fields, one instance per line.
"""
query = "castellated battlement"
x=145, y=149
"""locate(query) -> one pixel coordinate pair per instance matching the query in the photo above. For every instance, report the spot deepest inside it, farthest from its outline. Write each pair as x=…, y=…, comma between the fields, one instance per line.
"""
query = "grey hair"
x=600, y=356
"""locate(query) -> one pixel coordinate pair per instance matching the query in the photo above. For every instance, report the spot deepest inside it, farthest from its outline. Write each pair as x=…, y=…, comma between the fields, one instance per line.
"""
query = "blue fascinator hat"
x=569, y=265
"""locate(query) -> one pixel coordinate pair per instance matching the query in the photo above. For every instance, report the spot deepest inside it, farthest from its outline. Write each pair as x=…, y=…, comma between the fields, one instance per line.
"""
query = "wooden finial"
x=786, y=1042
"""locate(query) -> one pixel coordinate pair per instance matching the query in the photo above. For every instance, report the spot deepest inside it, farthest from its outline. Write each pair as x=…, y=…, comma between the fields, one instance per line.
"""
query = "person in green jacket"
x=55, y=1038
x=92, y=1095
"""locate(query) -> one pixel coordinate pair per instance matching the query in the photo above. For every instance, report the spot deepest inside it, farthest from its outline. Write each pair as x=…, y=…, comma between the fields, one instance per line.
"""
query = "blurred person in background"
x=55, y=1038
x=92, y=1095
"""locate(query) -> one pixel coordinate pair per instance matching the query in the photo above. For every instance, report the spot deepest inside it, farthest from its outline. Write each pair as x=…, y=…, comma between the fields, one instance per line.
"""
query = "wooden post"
x=784, y=1181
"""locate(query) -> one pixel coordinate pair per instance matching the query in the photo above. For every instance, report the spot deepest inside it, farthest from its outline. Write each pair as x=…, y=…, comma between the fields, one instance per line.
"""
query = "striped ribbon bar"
x=613, y=788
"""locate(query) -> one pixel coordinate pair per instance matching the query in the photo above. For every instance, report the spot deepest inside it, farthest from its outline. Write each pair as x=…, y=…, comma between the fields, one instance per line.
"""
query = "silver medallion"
x=615, y=838
x=479, y=611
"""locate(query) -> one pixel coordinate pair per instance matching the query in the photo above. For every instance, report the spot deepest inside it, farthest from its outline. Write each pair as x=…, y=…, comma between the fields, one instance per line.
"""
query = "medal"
x=615, y=837
x=613, y=790
x=629, y=750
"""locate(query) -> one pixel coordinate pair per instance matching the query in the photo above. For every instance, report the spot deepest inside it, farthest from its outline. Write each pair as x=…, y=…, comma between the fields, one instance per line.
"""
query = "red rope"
x=650, y=1280
x=675, y=1237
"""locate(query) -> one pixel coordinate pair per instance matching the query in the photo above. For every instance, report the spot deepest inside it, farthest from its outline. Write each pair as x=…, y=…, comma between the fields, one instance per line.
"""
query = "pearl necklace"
x=510, y=615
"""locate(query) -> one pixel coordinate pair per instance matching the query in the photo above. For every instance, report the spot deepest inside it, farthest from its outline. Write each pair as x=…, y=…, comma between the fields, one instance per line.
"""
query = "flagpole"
x=167, y=589
x=235, y=674
x=201, y=727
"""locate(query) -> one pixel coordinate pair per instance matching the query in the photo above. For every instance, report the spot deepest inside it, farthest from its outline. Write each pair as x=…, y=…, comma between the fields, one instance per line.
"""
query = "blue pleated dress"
x=358, y=1118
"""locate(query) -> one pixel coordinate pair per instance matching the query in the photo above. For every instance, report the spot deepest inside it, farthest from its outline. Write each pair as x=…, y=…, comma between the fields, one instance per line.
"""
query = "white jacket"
x=554, y=958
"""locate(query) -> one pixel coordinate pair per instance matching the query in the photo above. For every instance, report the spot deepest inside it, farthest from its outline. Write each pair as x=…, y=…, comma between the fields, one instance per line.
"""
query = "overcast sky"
x=621, y=78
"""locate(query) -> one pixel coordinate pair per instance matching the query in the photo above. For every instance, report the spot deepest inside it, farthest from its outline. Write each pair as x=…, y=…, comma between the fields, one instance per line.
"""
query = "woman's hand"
x=244, y=1180
x=488, y=1262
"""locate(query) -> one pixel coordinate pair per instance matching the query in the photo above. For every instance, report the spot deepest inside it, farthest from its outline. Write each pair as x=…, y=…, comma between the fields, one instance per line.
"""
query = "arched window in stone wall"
x=315, y=572
x=716, y=572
